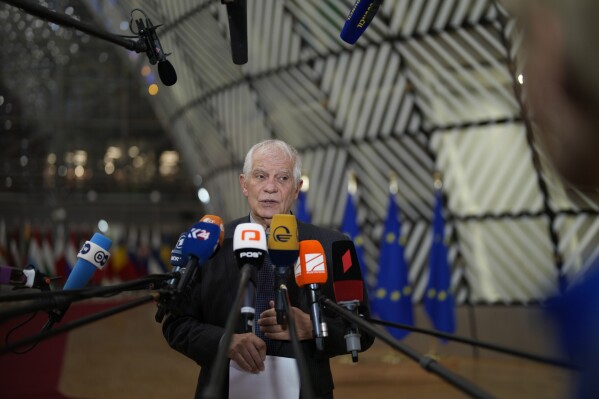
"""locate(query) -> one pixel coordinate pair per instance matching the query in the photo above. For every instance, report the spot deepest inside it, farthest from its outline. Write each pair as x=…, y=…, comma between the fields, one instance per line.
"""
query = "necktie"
x=265, y=294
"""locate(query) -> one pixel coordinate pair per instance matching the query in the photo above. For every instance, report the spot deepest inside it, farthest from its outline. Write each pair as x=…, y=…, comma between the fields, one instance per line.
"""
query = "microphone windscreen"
x=217, y=221
x=249, y=236
x=167, y=73
x=238, y=30
x=347, y=277
x=312, y=267
x=283, y=244
x=201, y=240
x=249, y=244
x=93, y=256
x=358, y=19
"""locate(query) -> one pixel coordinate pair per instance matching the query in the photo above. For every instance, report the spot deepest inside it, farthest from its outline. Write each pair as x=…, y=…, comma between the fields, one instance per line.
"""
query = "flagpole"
x=433, y=344
x=391, y=356
x=438, y=299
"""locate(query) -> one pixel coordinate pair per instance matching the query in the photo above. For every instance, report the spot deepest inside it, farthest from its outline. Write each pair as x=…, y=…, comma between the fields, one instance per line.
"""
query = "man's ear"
x=298, y=188
x=242, y=184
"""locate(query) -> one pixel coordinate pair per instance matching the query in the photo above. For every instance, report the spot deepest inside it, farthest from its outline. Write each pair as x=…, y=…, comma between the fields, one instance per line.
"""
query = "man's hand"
x=248, y=351
x=270, y=328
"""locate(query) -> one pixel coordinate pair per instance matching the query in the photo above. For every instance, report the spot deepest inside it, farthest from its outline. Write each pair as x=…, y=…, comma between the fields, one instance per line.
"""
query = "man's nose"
x=271, y=185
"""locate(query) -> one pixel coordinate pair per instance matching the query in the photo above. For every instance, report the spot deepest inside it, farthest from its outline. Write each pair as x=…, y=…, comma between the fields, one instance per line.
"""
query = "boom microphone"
x=348, y=288
x=92, y=256
x=238, y=29
x=151, y=45
x=358, y=19
x=283, y=250
x=311, y=271
x=249, y=246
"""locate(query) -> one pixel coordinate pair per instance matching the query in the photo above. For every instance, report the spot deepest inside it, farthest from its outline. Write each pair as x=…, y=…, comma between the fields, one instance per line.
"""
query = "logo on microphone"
x=199, y=234
x=250, y=235
x=281, y=234
x=85, y=249
x=176, y=259
x=249, y=255
x=315, y=263
x=346, y=260
x=101, y=257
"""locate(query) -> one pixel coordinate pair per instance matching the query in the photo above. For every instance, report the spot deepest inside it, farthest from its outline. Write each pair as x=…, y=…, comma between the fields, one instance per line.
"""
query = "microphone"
x=178, y=260
x=199, y=246
x=358, y=19
x=92, y=256
x=219, y=222
x=349, y=289
x=311, y=271
x=238, y=29
x=249, y=246
x=29, y=277
x=283, y=249
x=13, y=276
x=150, y=43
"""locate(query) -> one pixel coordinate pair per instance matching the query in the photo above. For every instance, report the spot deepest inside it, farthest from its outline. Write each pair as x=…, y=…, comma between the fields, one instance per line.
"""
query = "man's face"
x=269, y=186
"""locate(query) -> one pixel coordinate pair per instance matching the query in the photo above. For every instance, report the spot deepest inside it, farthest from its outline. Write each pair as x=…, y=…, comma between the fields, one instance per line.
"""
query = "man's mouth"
x=269, y=202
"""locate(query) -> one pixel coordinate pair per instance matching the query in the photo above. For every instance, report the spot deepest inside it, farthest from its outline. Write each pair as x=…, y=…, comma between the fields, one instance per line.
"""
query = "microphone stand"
x=426, y=362
x=486, y=345
x=213, y=389
x=302, y=366
x=60, y=298
x=60, y=19
x=78, y=323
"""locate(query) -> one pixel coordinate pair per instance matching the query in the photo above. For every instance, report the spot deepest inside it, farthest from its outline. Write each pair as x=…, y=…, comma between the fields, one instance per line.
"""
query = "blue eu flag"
x=349, y=227
x=301, y=208
x=438, y=300
x=393, y=295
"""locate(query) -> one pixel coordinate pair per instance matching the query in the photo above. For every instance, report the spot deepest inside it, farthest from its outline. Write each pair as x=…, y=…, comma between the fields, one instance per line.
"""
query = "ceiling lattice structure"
x=431, y=85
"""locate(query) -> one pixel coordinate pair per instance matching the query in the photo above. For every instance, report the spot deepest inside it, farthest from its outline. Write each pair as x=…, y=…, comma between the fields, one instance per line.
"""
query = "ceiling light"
x=204, y=195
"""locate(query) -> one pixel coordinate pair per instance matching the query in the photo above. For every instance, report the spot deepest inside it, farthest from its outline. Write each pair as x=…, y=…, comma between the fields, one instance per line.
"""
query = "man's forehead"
x=269, y=170
x=273, y=163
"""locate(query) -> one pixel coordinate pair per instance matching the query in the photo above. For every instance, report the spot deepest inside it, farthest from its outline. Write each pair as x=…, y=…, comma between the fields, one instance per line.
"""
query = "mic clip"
x=149, y=42
x=352, y=336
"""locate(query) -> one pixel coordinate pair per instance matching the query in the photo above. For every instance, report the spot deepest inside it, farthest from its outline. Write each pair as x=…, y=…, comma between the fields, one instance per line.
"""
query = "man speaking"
x=271, y=182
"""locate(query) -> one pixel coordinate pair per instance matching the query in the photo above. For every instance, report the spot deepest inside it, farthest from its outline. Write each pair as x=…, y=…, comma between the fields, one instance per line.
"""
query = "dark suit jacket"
x=197, y=331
